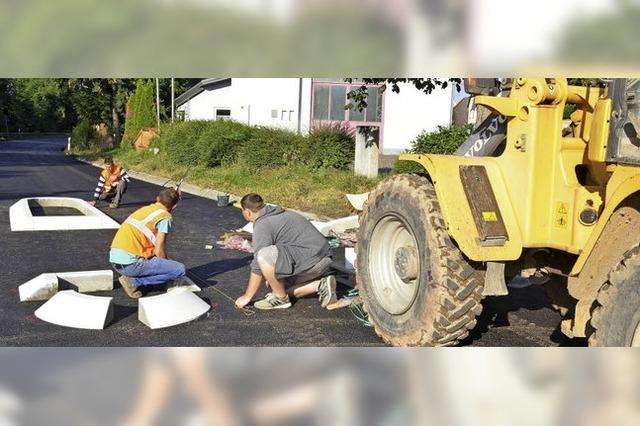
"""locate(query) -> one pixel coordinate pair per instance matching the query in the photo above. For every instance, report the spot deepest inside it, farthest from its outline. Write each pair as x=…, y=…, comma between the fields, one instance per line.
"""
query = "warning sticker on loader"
x=562, y=215
x=490, y=216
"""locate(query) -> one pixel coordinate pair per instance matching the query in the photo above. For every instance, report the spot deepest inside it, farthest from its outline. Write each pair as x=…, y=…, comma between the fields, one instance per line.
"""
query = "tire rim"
x=394, y=251
x=635, y=340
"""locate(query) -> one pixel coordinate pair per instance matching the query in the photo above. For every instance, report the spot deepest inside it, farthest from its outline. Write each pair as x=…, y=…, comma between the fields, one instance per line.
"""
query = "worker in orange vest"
x=138, y=248
x=112, y=184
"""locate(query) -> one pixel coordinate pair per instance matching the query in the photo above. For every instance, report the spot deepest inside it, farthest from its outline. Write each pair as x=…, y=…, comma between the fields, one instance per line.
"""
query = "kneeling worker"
x=112, y=184
x=288, y=249
x=137, y=251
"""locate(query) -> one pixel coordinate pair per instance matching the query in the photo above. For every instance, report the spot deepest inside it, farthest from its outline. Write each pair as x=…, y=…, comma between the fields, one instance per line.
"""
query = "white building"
x=298, y=104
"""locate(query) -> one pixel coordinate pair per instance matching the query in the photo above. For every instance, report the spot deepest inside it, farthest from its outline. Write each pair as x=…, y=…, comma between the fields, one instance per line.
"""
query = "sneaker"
x=327, y=291
x=129, y=287
x=272, y=302
x=113, y=206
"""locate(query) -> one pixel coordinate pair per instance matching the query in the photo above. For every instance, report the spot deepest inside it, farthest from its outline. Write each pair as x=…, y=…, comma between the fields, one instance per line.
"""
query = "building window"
x=223, y=114
x=320, y=102
x=330, y=98
x=180, y=116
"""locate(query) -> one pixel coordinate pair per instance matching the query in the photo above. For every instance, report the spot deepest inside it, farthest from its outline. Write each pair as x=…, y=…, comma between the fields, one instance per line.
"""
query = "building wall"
x=409, y=112
x=254, y=101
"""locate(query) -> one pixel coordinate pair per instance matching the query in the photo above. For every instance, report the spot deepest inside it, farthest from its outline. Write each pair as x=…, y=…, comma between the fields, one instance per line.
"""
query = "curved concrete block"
x=187, y=283
x=23, y=220
x=69, y=308
x=44, y=286
x=171, y=308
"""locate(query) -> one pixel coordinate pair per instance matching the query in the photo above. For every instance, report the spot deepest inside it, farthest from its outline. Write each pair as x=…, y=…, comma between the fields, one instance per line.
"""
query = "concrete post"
x=69, y=144
x=366, y=163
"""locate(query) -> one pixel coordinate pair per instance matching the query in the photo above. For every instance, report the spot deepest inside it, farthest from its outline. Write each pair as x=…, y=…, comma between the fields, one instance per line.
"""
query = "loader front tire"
x=416, y=286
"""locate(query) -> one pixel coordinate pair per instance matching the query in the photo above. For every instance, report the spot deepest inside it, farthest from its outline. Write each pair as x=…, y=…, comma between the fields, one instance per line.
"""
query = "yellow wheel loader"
x=556, y=202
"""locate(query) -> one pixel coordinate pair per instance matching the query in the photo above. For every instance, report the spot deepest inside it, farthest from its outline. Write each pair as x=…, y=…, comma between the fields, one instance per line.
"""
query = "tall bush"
x=141, y=112
x=83, y=135
x=444, y=140
x=331, y=146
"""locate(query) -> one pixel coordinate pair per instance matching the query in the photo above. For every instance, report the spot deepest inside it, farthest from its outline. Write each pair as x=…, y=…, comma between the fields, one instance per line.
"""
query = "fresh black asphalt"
x=33, y=168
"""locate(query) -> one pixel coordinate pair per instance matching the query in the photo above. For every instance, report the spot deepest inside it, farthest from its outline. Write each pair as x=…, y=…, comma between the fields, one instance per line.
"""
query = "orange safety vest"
x=110, y=177
x=137, y=234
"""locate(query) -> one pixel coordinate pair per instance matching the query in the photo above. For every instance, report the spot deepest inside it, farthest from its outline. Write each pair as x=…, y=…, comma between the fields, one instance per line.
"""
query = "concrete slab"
x=172, y=308
x=45, y=286
x=22, y=218
x=69, y=308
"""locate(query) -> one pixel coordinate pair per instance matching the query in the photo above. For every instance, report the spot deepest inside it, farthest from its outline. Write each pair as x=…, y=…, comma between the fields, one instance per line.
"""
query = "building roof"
x=204, y=84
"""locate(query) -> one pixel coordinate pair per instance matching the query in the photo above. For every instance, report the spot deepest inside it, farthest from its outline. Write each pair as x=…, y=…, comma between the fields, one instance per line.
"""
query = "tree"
x=358, y=98
x=7, y=103
x=102, y=99
x=141, y=111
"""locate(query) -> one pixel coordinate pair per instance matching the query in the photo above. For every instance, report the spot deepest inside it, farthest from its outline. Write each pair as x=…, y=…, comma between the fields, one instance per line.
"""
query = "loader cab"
x=624, y=132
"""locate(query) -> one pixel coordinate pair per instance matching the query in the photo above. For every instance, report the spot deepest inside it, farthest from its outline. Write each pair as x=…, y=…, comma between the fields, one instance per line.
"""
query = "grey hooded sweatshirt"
x=300, y=245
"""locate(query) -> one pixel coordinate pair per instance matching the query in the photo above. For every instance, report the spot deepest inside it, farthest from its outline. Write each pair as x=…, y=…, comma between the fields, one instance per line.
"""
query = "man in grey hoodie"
x=288, y=249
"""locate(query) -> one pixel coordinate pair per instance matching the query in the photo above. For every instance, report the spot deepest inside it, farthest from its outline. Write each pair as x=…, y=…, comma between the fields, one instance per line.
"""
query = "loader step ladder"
x=484, y=207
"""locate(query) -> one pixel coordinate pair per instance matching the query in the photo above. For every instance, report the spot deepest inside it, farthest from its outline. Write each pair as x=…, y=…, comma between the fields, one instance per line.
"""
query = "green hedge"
x=220, y=141
x=178, y=141
x=269, y=147
x=216, y=143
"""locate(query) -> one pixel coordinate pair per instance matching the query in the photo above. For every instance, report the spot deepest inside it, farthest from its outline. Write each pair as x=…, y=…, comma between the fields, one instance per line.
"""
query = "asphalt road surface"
x=31, y=168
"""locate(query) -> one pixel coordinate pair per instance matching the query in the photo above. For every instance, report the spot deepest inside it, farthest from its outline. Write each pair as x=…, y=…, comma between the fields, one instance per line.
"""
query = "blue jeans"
x=152, y=271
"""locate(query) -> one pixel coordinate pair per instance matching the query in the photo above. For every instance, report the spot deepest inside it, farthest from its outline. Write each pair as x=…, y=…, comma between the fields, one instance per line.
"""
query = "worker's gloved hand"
x=93, y=203
x=242, y=301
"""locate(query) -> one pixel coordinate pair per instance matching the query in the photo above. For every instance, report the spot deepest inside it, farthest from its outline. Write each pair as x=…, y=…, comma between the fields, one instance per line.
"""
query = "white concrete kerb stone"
x=69, y=308
x=171, y=308
x=23, y=220
x=45, y=286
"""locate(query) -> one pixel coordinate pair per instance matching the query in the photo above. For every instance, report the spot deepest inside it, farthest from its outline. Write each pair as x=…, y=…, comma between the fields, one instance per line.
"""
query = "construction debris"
x=237, y=240
x=341, y=303
x=336, y=225
x=69, y=308
x=171, y=308
x=350, y=258
x=45, y=286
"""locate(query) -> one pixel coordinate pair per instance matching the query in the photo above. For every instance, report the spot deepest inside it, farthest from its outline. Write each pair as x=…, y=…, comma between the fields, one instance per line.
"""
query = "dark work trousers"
x=115, y=195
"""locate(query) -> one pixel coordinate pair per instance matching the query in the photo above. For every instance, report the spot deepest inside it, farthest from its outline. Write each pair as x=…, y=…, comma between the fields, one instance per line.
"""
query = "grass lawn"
x=318, y=191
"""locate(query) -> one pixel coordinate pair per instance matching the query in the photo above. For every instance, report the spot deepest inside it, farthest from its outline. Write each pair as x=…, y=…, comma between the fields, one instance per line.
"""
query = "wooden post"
x=367, y=151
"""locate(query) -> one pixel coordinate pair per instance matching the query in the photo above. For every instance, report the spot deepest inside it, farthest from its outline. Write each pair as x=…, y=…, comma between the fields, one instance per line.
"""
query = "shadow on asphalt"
x=204, y=272
x=497, y=309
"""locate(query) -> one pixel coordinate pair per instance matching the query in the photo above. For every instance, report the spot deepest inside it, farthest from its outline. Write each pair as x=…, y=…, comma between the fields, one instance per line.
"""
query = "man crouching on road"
x=137, y=251
x=287, y=247
x=112, y=184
